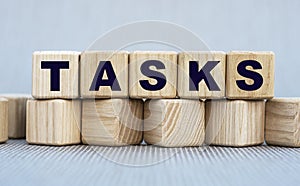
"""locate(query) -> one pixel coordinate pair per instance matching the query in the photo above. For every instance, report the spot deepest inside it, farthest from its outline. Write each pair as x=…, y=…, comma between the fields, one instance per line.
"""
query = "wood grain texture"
x=69, y=78
x=88, y=67
x=136, y=59
x=16, y=114
x=112, y=122
x=53, y=122
x=266, y=91
x=235, y=122
x=218, y=74
x=3, y=120
x=282, y=122
x=174, y=122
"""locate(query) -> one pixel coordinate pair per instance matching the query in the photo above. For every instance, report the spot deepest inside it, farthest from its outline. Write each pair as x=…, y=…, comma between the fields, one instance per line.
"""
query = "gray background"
x=29, y=25
x=32, y=25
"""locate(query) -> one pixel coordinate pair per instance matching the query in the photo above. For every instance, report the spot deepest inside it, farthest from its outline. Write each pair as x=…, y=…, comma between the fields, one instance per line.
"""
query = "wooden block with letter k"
x=201, y=74
x=250, y=75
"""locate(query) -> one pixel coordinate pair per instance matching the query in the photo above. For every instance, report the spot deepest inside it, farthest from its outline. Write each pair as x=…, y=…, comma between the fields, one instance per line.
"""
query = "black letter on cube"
x=204, y=74
x=55, y=67
x=160, y=78
x=111, y=77
x=256, y=77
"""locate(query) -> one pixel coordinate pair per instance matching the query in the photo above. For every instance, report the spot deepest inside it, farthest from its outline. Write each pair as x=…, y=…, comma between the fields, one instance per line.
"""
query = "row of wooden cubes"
x=13, y=116
x=150, y=74
x=163, y=122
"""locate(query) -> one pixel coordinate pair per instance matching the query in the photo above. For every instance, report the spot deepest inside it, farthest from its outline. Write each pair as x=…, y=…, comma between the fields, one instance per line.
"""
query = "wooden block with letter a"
x=174, y=122
x=112, y=122
x=104, y=74
x=53, y=122
x=201, y=75
x=55, y=75
x=16, y=114
x=235, y=122
x=152, y=74
x=282, y=122
x=250, y=75
x=3, y=120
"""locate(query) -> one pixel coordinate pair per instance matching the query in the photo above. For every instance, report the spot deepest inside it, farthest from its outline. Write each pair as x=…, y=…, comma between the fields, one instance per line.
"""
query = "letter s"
x=256, y=77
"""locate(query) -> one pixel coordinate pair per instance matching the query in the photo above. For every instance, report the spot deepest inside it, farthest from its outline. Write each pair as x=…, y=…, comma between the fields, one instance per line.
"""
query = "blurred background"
x=31, y=25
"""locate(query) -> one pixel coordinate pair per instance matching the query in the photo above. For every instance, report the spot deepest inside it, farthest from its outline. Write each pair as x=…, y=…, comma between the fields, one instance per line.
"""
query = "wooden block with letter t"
x=250, y=75
x=53, y=122
x=104, y=74
x=55, y=74
x=174, y=122
x=113, y=122
x=16, y=114
x=152, y=74
x=3, y=120
x=201, y=75
x=282, y=122
x=235, y=122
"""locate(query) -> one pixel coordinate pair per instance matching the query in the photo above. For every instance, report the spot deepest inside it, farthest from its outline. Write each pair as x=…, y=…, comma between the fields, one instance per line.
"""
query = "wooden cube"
x=250, y=75
x=112, y=122
x=16, y=114
x=53, y=122
x=104, y=74
x=282, y=122
x=152, y=74
x=174, y=122
x=235, y=122
x=201, y=75
x=3, y=120
x=55, y=75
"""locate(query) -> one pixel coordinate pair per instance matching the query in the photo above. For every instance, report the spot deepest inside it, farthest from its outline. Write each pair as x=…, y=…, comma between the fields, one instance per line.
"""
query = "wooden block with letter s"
x=201, y=75
x=53, y=122
x=250, y=75
x=174, y=122
x=153, y=74
x=55, y=74
x=104, y=74
x=282, y=122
